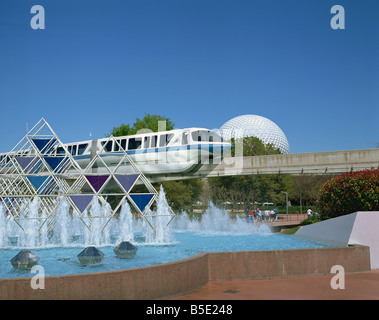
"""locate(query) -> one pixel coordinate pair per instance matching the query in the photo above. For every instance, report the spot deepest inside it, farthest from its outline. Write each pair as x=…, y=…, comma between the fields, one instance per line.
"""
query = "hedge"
x=349, y=192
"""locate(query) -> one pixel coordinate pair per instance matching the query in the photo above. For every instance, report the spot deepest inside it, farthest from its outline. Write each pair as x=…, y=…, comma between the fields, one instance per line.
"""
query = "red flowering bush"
x=348, y=193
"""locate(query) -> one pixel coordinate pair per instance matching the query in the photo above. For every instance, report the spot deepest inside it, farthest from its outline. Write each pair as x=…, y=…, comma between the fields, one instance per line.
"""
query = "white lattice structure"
x=33, y=168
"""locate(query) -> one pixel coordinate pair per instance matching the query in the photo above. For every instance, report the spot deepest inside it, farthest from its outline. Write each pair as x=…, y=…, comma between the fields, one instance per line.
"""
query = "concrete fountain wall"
x=179, y=277
x=360, y=227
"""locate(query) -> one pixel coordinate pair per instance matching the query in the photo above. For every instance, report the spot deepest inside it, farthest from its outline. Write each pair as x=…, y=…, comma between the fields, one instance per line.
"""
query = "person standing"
x=276, y=211
x=259, y=214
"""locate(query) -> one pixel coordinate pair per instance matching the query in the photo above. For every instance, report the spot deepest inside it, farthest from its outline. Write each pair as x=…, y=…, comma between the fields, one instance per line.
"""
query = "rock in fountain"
x=24, y=260
x=125, y=250
x=90, y=255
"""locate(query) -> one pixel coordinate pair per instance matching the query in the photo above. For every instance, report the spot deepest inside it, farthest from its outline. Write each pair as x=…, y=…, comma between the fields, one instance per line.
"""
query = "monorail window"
x=70, y=149
x=134, y=143
x=60, y=150
x=74, y=148
x=119, y=143
x=185, y=138
x=116, y=145
x=108, y=145
x=82, y=148
x=203, y=135
x=165, y=139
x=146, y=142
x=123, y=144
x=153, y=142
x=5, y=159
x=175, y=141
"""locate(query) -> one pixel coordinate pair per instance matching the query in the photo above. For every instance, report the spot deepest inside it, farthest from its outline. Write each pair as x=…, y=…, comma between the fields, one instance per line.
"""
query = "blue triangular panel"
x=54, y=162
x=38, y=181
x=44, y=145
x=141, y=200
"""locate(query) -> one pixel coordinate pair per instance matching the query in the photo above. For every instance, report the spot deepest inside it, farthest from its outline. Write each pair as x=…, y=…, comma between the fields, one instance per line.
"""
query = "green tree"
x=147, y=123
x=151, y=122
x=182, y=194
x=307, y=187
x=122, y=130
x=247, y=190
x=253, y=146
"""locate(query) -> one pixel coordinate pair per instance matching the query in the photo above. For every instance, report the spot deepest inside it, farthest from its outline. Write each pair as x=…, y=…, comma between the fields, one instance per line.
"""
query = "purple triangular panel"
x=81, y=202
x=24, y=161
x=29, y=164
x=127, y=180
x=97, y=181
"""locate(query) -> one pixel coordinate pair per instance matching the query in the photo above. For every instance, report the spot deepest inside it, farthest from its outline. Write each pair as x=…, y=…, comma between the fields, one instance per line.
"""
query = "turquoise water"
x=182, y=238
x=63, y=260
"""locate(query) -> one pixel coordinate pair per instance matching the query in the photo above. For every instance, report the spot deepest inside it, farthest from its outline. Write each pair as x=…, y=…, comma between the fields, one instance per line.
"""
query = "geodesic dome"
x=255, y=126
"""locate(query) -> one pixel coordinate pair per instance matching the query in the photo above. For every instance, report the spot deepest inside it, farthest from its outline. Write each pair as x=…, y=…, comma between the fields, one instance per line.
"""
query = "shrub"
x=349, y=192
x=310, y=220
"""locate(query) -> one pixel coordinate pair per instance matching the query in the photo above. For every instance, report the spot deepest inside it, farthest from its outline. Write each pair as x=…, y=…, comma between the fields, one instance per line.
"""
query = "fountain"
x=216, y=220
x=59, y=247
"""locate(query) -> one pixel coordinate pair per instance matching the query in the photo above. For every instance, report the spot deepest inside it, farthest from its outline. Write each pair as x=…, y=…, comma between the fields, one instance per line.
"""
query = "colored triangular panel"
x=24, y=161
x=141, y=200
x=127, y=181
x=44, y=144
x=81, y=202
x=29, y=164
x=54, y=162
x=97, y=181
x=37, y=181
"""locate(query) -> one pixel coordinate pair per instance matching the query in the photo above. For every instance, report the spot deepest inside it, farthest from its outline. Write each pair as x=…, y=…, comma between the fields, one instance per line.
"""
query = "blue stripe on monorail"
x=208, y=147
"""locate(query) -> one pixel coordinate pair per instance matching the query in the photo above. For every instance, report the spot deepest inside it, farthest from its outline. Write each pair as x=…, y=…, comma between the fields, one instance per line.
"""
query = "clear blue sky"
x=100, y=63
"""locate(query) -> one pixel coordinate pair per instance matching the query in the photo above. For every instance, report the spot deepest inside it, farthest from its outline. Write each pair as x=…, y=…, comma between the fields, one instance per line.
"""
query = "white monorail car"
x=174, y=151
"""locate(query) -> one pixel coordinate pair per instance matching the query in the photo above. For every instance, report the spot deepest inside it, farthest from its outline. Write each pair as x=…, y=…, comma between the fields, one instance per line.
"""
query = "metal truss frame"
x=33, y=168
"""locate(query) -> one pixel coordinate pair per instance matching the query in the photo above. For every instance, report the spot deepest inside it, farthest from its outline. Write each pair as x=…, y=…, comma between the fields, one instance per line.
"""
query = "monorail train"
x=174, y=151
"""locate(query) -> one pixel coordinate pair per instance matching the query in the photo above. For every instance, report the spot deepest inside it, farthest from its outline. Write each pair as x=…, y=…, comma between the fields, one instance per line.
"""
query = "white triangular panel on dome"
x=250, y=125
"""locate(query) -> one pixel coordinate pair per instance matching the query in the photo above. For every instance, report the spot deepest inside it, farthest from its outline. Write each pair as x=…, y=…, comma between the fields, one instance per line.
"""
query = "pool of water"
x=172, y=240
x=63, y=260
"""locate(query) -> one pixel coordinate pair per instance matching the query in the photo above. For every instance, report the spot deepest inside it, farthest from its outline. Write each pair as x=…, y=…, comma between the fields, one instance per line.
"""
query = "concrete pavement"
x=358, y=286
